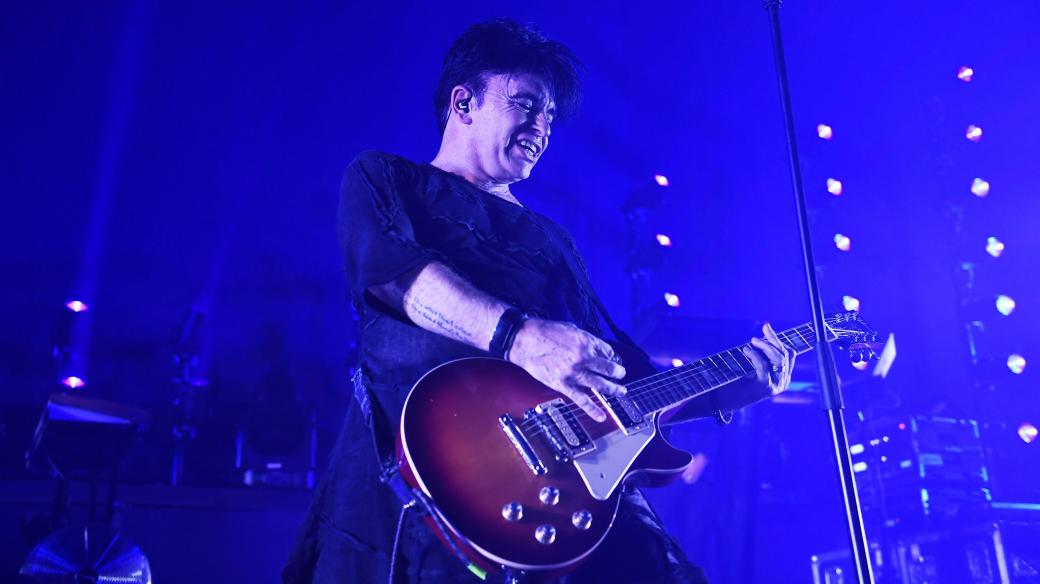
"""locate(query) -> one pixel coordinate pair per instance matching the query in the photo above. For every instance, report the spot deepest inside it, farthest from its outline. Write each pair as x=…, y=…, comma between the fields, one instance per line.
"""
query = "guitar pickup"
x=627, y=415
x=566, y=435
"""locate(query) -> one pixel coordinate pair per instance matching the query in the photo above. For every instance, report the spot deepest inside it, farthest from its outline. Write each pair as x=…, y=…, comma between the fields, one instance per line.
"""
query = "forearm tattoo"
x=431, y=315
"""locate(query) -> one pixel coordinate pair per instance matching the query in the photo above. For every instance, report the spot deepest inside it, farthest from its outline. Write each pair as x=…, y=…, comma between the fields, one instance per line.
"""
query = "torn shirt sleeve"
x=375, y=231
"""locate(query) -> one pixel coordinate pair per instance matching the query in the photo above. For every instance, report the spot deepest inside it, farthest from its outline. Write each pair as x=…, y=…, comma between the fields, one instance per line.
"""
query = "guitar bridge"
x=522, y=445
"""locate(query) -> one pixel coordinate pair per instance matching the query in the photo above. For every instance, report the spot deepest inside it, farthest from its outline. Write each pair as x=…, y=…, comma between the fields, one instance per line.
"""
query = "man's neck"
x=449, y=161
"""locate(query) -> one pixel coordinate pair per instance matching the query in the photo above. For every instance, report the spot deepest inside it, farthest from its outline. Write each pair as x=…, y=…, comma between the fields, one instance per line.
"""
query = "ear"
x=462, y=104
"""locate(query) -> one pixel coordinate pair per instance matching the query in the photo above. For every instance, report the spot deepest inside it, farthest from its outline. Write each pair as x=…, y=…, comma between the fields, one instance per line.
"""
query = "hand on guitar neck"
x=773, y=361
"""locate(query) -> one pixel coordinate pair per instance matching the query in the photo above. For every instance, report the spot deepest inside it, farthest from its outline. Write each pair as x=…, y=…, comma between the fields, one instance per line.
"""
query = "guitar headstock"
x=854, y=335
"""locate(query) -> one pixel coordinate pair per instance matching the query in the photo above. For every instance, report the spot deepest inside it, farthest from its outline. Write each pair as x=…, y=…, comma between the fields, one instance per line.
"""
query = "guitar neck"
x=669, y=388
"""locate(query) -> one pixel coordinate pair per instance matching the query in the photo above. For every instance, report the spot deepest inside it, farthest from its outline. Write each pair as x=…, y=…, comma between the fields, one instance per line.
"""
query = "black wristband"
x=505, y=333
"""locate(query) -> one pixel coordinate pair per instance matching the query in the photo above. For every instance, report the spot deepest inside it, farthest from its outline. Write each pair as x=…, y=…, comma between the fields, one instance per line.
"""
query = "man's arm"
x=559, y=354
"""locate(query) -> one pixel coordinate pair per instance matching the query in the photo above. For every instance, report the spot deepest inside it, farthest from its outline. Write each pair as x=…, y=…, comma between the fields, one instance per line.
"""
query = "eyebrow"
x=524, y=94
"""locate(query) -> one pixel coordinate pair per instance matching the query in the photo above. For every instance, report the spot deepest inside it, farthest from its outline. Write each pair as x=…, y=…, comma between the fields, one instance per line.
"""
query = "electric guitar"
x=516, y=477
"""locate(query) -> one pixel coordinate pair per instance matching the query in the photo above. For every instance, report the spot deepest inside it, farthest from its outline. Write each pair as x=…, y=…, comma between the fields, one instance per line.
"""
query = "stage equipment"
x=647, y=247
x=69, y=359
x=94, y=554
x=516, y=479
x=922, y=471
x=189, y=405
x=986, y=552
x=830, y=389
x=276, y=442
x=86, y=438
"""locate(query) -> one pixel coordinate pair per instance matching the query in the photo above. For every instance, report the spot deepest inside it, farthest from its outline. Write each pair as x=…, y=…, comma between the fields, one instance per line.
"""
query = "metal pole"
x=830, y=389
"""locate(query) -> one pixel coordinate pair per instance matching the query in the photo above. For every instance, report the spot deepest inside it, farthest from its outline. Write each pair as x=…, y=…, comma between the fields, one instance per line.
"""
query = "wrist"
x=505, y=332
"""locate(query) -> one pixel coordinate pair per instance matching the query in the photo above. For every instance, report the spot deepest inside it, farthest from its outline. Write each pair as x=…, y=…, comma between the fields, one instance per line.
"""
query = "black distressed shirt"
x=396, y=215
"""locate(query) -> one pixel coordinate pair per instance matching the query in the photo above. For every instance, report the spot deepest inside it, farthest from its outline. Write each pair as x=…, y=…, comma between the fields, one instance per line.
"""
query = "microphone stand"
x=830, y=388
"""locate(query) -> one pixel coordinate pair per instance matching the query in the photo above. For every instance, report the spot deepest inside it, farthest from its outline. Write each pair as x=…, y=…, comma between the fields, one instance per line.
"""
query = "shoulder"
x=369, y=159
x=383, y=169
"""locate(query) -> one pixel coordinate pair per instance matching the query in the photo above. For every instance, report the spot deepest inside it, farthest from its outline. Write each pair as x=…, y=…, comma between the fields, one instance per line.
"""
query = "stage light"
x=1027, y=432
x=824, y=131
x=73, y=382
x=1005, y=304
x=859, y=467
x=834, y=186
x=994, y=246
x=1016, y=363
x=965, y=74
x=677, y=363
x=980, y=187
x=671, y=299
x=973, y=133
x=661, y=180
x=664, y=240
x=850, y=303
x=842, y=242
x=76, y=306
x=861, y=365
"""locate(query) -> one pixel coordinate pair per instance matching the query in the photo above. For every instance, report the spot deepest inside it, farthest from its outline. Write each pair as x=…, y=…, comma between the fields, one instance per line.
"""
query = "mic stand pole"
x=830, y=389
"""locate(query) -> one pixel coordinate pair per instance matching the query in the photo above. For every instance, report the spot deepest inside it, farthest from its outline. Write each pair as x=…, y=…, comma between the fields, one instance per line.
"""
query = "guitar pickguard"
x=603, y=468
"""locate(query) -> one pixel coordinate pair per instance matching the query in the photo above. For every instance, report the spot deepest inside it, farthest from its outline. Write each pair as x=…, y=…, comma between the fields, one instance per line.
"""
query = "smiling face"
x=509, y=132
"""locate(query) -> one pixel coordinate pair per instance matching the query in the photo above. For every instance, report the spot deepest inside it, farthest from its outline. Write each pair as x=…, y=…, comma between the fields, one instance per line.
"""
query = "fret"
x=705, y=375
x=725, y=367
x=673, y=386
x=744, y=359
x=716, y=371
x=688, y=384
x=733, y=363
x=705, y=381
x=808, y=335
x=673, y=389
x=798, y=342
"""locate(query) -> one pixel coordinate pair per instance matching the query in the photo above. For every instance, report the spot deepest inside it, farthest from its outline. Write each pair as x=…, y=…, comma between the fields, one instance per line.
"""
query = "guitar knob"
x=582, y=519
x=512, y=511
x=545, y=534
x=549, y=495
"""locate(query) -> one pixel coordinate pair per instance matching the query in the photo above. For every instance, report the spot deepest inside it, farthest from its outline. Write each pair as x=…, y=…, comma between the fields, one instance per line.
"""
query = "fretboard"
x=669, y=388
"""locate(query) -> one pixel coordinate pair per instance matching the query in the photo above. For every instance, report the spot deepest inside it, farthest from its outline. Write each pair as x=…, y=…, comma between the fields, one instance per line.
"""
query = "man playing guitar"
x=444, y=262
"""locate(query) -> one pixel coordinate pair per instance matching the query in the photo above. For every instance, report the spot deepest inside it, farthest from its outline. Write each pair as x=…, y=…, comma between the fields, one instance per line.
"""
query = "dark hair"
x=504, y=46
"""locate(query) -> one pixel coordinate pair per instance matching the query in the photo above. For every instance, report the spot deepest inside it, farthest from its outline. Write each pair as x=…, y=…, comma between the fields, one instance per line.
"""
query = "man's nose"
x=542, y=124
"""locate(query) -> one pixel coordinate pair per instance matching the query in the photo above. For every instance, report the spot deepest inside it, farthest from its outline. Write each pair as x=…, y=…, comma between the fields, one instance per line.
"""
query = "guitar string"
x=656, y=385
x=651, y=388
x=657, y=388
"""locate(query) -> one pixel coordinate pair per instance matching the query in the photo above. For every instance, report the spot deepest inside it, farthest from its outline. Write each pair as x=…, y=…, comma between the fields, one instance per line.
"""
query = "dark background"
x=160, y=156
